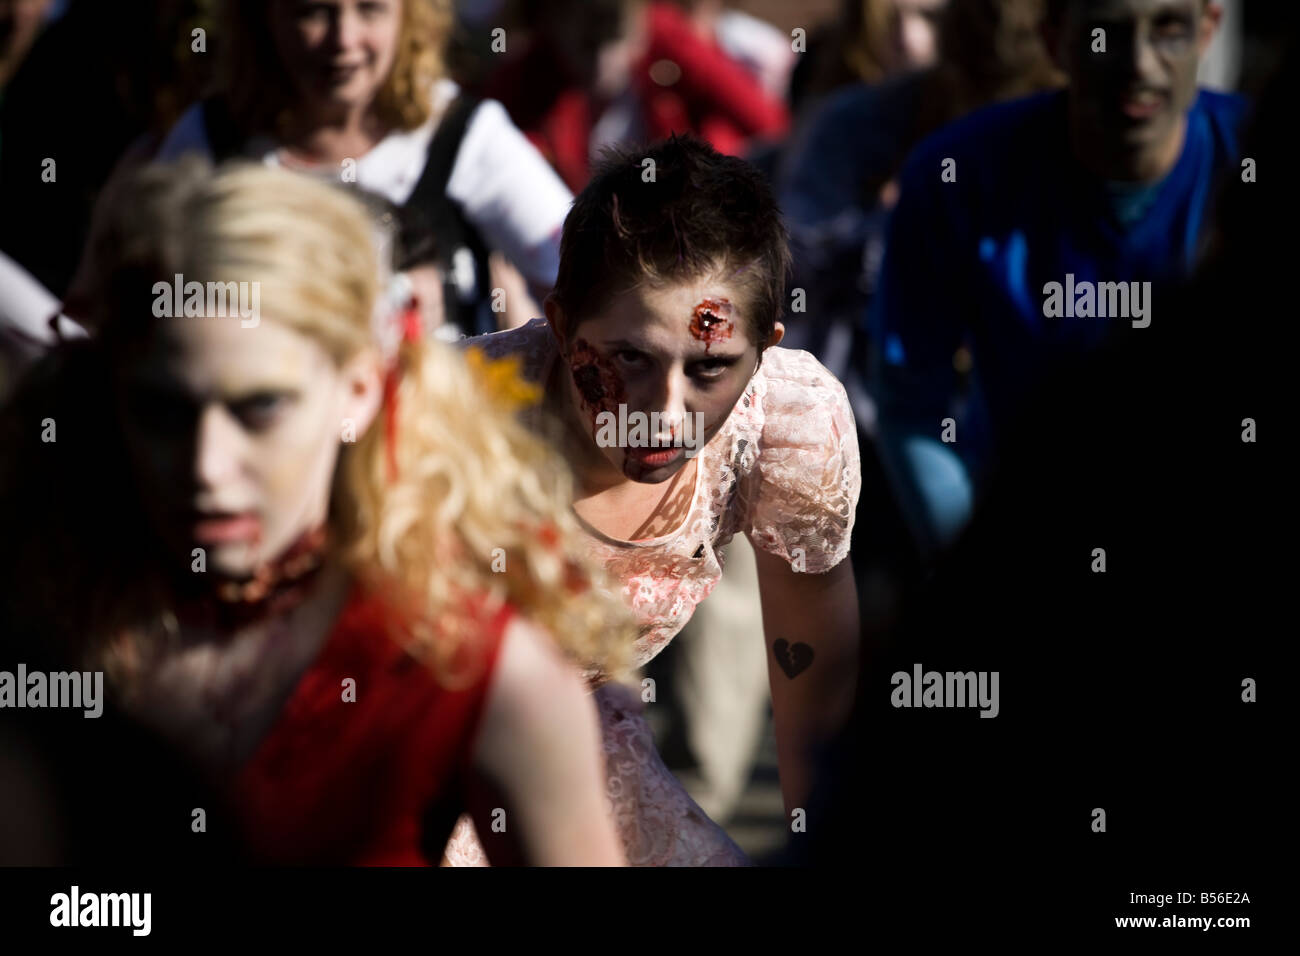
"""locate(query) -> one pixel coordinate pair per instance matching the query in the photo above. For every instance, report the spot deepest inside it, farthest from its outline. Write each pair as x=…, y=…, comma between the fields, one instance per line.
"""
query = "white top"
x=26, y=306
x=499, y=179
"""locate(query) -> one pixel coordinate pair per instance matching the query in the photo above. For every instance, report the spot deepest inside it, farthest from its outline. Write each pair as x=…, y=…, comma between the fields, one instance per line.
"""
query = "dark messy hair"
x=703, y=212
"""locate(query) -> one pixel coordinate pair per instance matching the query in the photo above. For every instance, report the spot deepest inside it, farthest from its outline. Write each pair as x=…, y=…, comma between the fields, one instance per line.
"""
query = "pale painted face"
x=678, y=354
x=233, y=434
x=1133, y=99
x=338, y=52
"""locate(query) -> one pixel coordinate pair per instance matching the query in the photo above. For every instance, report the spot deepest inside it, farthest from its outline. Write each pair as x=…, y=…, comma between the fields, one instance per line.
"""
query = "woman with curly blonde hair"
x=316, y=552
x=356, y=91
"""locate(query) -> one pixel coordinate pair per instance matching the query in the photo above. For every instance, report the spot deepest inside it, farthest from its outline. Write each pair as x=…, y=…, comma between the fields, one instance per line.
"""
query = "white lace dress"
x=783, y=469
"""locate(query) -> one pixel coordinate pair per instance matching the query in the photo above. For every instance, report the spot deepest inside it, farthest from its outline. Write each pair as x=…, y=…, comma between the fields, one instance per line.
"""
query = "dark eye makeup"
x=167, y=410
x=261, y=409
x=712, y=368
x=705, y=370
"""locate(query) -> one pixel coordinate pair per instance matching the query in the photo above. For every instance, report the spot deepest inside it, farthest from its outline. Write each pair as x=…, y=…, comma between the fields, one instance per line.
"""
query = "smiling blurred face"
x=1133, y=98
x=338, y=52
x=674, y=350
x=233, y=435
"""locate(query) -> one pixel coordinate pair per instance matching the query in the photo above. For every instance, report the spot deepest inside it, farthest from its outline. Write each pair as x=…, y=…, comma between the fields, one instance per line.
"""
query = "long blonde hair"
x=478, y=511
x=259, y=91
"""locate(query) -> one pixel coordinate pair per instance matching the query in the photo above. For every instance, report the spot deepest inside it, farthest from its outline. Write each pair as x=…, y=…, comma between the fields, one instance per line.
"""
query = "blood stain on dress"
x=711, y=322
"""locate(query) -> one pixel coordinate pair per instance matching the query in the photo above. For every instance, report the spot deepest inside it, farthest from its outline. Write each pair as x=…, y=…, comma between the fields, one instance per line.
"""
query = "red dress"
x=374, y=782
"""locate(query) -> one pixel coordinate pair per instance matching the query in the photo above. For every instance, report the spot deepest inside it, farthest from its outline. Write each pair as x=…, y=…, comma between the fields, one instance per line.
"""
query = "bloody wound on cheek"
x=711, y=322
x=595, y=378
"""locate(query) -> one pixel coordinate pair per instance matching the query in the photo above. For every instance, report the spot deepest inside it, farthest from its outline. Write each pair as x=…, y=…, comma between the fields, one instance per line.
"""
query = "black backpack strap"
x=430, y=206
x=443, y=148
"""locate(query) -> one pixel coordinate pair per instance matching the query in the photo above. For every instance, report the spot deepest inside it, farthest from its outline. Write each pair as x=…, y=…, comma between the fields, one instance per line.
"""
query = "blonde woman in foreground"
x=305, y=545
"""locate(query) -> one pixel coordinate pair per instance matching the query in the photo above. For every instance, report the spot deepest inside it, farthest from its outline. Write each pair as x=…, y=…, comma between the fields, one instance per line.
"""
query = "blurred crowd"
x=937, y=164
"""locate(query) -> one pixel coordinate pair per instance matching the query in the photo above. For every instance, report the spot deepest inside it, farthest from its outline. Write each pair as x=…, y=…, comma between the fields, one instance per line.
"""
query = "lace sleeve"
x=531, y=343
x=804, y=490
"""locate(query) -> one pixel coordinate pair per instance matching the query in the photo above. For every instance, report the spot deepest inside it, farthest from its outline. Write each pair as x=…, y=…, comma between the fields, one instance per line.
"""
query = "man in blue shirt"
x=1033, y=231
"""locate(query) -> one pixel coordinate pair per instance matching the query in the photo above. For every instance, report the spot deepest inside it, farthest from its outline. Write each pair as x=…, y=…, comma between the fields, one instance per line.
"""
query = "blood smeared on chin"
x=711, y=322
x=595, y=378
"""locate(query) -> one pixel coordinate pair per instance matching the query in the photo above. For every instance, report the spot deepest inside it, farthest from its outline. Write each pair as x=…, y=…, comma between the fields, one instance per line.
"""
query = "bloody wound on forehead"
x=711, y=322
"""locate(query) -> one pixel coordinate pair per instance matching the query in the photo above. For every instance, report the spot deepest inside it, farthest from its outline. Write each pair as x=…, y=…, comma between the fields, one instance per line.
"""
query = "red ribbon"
x=412, y=332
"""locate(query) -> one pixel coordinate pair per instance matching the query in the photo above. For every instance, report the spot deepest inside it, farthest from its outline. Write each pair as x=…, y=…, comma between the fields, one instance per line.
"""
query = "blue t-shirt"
x=967, y=261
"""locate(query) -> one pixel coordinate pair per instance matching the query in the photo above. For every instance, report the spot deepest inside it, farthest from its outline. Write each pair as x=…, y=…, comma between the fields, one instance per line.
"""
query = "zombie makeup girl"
x=666, y=306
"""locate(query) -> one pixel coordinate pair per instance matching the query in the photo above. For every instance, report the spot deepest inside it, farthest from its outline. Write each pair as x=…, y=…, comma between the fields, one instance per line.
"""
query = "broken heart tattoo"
x=793, y=658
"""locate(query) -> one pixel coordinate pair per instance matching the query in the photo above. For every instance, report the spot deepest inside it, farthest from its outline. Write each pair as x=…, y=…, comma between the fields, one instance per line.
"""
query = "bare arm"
x=520, y=306
x=538, y=759
x=810, y=622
